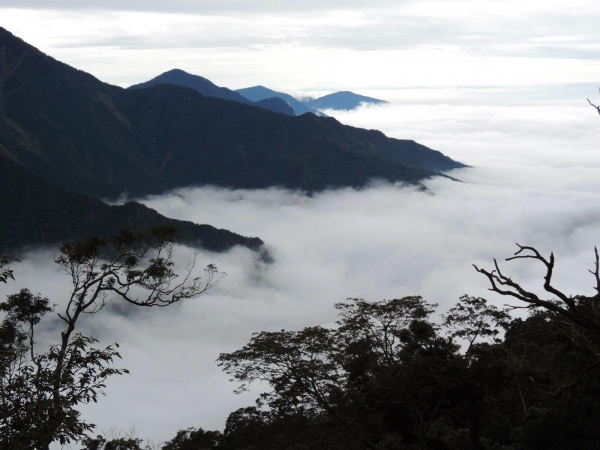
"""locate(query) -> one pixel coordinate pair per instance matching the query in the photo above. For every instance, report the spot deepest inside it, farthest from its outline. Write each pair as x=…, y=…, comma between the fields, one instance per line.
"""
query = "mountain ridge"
x=102, y=140
x=35, y=211
x=341, y=101
x=258, y=93
x=206, y=87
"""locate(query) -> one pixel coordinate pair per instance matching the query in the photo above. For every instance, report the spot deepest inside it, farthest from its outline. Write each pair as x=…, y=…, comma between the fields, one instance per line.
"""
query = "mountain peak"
x=209, y=89
x=342, y=100
x=258, y=93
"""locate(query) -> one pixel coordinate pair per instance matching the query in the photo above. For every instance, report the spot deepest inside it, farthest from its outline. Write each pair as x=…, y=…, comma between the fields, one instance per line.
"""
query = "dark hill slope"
x=306, y=152
x=101, y=140
x=35, y=211
x=276, y=105
x=207, y=88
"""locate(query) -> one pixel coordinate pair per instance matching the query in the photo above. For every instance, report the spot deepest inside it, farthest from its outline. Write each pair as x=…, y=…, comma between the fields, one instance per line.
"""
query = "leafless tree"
x=580, y=310
x=579, y=315
x=597, y=107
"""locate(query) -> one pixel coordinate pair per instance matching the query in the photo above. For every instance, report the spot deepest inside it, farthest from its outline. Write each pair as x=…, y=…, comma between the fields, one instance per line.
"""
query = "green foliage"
x=100, y=443
x=6, y=273
x=194, y=439
x=388, y=377
x=385, y=371
x=40, y=391
x=35, y=407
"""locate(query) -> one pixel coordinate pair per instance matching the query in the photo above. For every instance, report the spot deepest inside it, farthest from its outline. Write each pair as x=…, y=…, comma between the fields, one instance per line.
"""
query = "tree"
x=115, y=439
x=573, y=320
x=386, y=376
x=40, y=391
x=5, y=272
x=194, y=439
x=581, y=311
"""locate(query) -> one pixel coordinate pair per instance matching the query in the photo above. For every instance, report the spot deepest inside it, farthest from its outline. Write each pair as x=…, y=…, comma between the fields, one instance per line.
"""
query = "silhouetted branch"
x=597, y=107
x=565, y=386
x=596, y=271
x=504, y=285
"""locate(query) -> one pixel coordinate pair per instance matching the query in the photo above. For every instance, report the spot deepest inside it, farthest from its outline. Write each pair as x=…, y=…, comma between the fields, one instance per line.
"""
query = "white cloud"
x=329, y=45
x=535, y=182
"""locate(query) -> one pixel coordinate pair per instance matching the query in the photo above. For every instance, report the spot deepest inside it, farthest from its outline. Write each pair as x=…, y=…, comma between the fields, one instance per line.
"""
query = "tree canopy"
x=40, y=390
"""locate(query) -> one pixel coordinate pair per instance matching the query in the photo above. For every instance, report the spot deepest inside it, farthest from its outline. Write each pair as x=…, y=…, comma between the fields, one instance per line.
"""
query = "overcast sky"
x=501, y=86
x=310, y=45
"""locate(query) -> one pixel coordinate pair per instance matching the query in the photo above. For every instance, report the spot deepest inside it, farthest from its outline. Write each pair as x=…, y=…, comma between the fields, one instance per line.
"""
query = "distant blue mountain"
x=258, y=93
x=344, y=100
x=209, y=89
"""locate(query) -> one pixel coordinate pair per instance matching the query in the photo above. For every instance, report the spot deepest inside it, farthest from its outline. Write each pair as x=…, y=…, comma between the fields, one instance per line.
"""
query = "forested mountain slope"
x=35, y=211
x=103, y=140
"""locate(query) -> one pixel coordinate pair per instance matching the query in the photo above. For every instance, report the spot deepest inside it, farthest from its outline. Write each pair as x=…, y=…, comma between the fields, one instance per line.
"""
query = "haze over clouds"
x=534, y=182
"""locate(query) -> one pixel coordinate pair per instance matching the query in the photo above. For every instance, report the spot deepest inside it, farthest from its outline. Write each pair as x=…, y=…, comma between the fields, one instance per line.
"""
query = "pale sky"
x=308, y=45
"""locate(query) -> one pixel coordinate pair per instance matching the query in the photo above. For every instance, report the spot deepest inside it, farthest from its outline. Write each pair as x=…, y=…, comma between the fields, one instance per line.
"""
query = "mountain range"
x=261, y=96
x=98, y=140
x=341, y=101
x=207, y=88
x=260, y=93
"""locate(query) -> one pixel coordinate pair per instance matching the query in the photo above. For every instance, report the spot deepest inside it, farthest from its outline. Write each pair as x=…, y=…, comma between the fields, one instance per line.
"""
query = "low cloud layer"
x=534, y=181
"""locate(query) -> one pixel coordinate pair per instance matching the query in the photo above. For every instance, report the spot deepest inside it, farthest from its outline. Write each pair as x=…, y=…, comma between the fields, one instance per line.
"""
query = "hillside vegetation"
x=35, y=211
x=103, y=140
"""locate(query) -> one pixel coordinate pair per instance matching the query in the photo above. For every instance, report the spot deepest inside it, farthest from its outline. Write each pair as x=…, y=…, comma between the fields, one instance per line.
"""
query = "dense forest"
x=393, y=374
x=36, y=211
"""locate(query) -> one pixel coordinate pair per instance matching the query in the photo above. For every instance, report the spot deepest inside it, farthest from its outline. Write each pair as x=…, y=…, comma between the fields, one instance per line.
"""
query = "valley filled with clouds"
x=533, y=181
x=498, y=85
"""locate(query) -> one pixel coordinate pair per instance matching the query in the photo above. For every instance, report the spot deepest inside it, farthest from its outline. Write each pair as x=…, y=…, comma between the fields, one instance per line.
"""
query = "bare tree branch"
x=567, y=306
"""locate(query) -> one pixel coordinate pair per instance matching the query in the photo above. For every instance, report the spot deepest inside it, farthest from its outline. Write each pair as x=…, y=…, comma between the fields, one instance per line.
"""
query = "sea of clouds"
x=534, y=180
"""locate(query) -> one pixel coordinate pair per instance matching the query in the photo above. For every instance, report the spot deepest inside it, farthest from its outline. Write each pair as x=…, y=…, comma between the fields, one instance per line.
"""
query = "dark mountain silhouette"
x=258, y=93
x=344, y=100
x=36, y=211
x=277, y=105
x=206, y=87
x=102, y=140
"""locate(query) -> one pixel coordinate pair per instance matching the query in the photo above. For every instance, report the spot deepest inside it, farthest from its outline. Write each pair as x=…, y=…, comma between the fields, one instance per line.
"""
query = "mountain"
x=258, y=93
x=102, y=140
x=344, y=100
x=36, y=211
x=277, y=105
x=206, y=87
